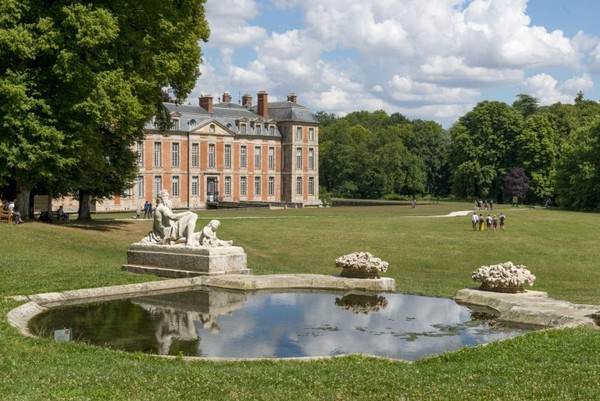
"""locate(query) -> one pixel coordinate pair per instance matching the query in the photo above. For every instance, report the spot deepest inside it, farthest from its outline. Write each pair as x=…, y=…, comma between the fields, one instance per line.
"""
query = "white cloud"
x=417, y=57
x=549, y=90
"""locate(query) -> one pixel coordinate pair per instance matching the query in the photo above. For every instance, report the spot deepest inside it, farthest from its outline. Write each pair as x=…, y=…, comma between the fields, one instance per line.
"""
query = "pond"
x=220, y=323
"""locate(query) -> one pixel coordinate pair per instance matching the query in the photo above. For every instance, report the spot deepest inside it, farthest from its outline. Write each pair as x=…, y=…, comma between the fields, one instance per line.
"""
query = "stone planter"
x=503, y=277
x=361, y=265
x=510, y=289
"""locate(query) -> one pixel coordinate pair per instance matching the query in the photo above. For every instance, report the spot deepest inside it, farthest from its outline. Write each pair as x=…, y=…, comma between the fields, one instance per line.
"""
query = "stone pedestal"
x=181, y=261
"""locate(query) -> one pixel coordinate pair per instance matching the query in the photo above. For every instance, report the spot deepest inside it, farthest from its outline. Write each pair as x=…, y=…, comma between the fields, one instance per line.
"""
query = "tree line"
x=495, y=151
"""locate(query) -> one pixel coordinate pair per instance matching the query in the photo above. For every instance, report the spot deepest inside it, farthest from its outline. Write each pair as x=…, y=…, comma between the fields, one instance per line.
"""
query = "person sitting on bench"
x=60, y=213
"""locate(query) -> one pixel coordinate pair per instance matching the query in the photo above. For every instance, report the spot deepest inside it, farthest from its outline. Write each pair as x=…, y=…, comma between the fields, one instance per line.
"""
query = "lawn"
x=427, y=254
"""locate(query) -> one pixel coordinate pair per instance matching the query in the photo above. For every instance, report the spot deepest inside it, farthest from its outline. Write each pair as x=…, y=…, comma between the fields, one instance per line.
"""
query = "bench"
x=6, y=215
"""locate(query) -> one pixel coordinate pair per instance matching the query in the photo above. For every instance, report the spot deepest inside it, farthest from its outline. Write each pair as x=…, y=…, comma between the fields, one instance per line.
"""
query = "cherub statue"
x=208, y=235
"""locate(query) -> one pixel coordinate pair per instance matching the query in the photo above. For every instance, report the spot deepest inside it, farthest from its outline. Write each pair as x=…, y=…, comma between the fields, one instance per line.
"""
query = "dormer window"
x=272, y=130
x=243, y=129
x=175, y=124
x=257, y=129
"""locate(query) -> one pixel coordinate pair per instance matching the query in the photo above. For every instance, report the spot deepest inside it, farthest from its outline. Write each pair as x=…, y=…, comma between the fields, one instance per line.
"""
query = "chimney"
x=206, y=102
x=226, y=97
x=292, y=97
x=247, y=100
x=263, y=108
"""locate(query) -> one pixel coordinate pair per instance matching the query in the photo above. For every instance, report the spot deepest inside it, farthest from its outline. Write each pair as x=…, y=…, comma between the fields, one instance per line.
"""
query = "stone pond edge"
x=530, y=307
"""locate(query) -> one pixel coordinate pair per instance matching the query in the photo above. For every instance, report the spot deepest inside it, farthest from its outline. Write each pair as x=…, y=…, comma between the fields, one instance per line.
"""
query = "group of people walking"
x=489, y=223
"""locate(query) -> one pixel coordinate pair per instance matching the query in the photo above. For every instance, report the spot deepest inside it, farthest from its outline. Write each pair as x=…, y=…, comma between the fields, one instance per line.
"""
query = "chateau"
x=228, y=154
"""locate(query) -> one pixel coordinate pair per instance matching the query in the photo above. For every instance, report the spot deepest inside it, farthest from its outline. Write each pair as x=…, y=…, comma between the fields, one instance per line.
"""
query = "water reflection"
x=361, y=303
x=233, y=324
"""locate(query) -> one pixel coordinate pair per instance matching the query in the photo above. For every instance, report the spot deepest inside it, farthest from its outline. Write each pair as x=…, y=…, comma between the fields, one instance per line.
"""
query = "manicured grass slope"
x=428, y=255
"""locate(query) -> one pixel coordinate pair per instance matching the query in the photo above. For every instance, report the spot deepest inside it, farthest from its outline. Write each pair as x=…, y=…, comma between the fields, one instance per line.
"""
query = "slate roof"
x=289, y=111
x=228, y=114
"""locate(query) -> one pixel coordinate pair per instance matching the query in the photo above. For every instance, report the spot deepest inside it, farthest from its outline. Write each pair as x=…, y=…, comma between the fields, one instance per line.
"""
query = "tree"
x=516, y=183
x=578, y=171
x=428, y=141
x=87, y=76
x=537, y=152
x=526, y=105
x=483, y=139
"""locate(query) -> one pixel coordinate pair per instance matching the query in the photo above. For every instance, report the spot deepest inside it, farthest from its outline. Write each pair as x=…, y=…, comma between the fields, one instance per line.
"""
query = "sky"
x=426, y=59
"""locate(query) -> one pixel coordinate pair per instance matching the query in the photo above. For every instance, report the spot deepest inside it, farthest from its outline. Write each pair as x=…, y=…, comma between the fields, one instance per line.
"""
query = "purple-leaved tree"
x=516, y=183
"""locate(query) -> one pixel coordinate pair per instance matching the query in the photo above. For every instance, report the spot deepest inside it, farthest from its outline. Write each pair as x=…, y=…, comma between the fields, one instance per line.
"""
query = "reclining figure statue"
x=178, y=228
x=170, y=227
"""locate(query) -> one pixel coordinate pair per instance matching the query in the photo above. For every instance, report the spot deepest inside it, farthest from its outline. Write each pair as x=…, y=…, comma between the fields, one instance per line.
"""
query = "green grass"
x=427, y=255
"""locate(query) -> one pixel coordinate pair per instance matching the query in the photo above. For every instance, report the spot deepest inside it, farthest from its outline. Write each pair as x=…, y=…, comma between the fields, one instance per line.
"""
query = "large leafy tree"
x=82, y=78
x=428, y=141
x=578, y=172
x=482, y=149
x=537, y=152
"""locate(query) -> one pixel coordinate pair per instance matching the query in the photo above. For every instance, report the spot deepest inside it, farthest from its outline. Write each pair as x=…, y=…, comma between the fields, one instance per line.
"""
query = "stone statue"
x=171, y=227
x=208, y=235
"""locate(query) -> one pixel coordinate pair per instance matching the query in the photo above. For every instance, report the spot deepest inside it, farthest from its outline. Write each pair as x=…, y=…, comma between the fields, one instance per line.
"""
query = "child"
x=502, y=221
x=494, y=222
x=488, y=222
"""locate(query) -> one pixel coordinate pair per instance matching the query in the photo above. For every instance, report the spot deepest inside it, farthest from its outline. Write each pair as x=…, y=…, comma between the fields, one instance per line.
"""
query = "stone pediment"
x=212, y=127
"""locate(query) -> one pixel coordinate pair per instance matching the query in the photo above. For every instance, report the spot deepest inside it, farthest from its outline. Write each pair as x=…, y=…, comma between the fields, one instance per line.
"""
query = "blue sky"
x=432, y=60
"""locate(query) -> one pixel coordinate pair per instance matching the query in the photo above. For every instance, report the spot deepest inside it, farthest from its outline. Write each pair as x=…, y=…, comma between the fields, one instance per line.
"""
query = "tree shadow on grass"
x=99, y=225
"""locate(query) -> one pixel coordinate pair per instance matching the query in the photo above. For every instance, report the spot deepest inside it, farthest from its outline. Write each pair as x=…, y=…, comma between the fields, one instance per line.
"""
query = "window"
x=298, y=185
x=271, y=186
x=175, y=124
x=299, y=158
x=227, y=156
x=311, y=159
x=271, y=158
x=139, y=186
x=175, y=154
x=227, y=186
x=257, y=157
x=157, y=154
x=139, y=150
x=272, y=130
x=311, y=134
x=243, y=129
x=243, y=157
x=195, y=155
x=299, y=133
x=257, y=186
x=257, y=130
x=157, y=184
x=195, y=185
x=211, y=155
x=175, y=185
x=211, y=128
x=243, y=186
x=311, y=185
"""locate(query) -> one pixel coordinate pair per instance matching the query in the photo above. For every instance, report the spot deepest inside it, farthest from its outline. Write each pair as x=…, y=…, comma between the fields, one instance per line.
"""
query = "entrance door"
x=211, y=189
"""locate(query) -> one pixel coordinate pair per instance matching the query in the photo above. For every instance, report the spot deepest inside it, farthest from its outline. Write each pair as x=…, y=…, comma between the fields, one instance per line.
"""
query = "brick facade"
x=226, y=152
